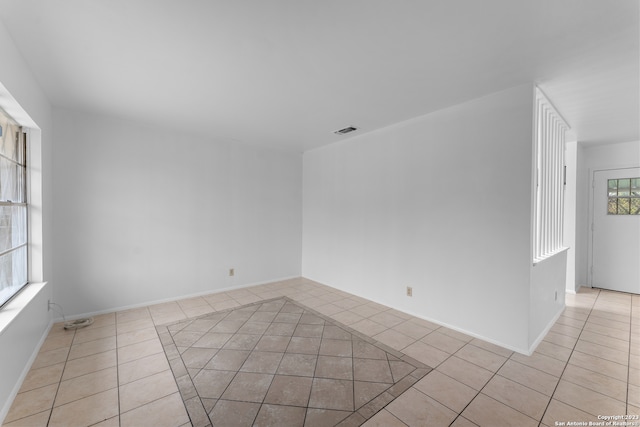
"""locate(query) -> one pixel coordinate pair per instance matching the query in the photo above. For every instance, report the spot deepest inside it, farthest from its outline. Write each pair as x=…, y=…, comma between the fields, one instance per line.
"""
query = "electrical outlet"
x=232, y=271
x=409, y=291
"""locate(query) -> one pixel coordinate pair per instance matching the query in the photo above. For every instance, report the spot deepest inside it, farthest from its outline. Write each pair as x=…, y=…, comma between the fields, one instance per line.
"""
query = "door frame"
x=590, y=219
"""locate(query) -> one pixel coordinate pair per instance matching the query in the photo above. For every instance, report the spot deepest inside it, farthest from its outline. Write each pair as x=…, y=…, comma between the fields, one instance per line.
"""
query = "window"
x=13, y=208
x=549, y=135
x=623, y=196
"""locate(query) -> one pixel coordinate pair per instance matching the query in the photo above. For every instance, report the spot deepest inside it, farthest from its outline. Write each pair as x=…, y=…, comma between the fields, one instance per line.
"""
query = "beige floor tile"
x=615, y=343
x=624, y=318
x=168, y=317
x=426, y=354
x=198, y=311
x=32, y=402
x=425, y=323
x=412, y=329
x=486, y=411
x=104, y=319
x=554, y=350
x=596, y=376
x=164, y=308
x=597, y=364
x=139, y=350
x=364, y=310
x=383, y=418
x=611, y=324
x=111, y=422
x=92, y=347
x=634, y=376
x=166, y=412
x=92, y=333
x=596, y=382
x=634, y=361
x=223, y=305
x=500, y=351
x=606, y=331
x=387, y=319
x=634, y=395
x=86, y=385
x=135, y=325
x=576, y=313
x=394, y=339
x=217, y=297
x=568, y=321
x=146, y=390
x=38, y=420
x=142, y=367
x=462, y=422
x=443, y=342
x=603, y=352
x=449, y=392
x=41, y=377
x=587, y=400
x=329, y=309
x=57, y=341
x=347, y=317
x=52, y=357
x=561, y=413
x=517, y=396
x=530, y=377
x=481, y=357
x=136, y=336
x=467, y=373
x=455, y=334
x=565, y=330
x=192, y=302
x=368, y=327
x=561, y=339
x=331, y=394
x=417, y=409
x=86, y=365
x=541, y=362
x=132, y=315
x=87, y=411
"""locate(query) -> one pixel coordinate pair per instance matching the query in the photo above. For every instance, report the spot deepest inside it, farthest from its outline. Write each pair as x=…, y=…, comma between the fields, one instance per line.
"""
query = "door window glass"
x=623, y=196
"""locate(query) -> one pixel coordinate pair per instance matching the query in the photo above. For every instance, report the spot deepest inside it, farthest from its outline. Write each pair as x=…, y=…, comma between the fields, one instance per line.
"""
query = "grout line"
x=61, y=375
x=565, y=366
x=118, y=373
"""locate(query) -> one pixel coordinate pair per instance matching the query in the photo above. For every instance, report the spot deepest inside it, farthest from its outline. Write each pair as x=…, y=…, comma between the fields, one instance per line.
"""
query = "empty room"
x=319, y=213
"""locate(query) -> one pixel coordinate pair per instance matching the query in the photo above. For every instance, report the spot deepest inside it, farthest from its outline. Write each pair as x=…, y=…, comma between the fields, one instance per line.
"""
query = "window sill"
x=12, y=310
x=537, y=261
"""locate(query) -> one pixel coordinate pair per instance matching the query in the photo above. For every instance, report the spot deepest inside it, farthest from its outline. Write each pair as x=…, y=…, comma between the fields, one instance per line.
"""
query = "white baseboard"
x=170, y=299
x=4, y=411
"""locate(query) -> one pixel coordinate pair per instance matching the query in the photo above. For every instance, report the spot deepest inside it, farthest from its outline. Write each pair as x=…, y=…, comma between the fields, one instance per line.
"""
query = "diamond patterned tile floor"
x=277, y=362
x=587, y=365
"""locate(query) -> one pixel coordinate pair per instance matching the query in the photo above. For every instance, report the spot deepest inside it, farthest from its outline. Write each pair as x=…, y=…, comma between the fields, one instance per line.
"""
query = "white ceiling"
x=286, y=73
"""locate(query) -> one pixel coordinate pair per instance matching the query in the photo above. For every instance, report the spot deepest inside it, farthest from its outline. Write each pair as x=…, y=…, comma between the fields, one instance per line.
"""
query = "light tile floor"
x=115, y=373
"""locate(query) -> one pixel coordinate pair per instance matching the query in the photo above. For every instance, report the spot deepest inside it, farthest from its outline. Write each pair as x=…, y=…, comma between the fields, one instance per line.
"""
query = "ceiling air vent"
x=345, y=130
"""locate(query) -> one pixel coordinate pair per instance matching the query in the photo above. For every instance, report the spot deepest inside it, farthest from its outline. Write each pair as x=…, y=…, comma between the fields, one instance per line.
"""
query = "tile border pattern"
x=198, y=414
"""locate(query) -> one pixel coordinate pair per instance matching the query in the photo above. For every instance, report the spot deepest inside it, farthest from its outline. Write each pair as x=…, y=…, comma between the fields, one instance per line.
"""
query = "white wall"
x=144, y=214
x=591, y=158
x=28, y=318
x=441, y=203
x=570, y=212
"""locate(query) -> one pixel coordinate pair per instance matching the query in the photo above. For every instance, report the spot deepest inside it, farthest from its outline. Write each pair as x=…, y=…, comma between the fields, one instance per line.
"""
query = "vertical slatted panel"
x=537, y=200
x=549, y=138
